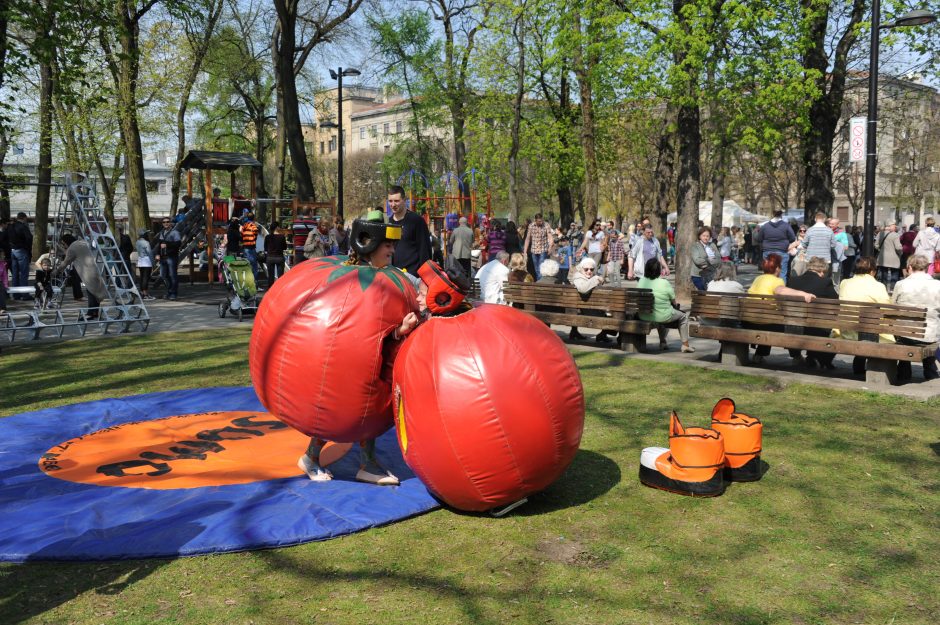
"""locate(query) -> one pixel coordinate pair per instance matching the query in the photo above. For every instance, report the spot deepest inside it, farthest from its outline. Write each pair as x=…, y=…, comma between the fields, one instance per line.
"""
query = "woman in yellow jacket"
x=770, y=283
x=864, y=288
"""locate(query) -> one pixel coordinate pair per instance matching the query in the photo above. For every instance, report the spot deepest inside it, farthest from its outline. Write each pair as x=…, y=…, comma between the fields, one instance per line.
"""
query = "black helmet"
x=368, y=233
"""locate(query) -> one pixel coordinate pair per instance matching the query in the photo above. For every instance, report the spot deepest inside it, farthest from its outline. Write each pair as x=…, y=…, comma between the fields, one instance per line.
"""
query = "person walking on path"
x=21, y=246
x=462, y=244
x=927, y=244
x=144, y=262
x=819, y=241
x=889, y=256
x=775, y=237
x=645, y=249
x=538, y=242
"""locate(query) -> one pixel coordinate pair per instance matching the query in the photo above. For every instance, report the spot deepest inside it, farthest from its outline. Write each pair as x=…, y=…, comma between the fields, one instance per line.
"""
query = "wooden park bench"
x=726, y=317
x=603, y=308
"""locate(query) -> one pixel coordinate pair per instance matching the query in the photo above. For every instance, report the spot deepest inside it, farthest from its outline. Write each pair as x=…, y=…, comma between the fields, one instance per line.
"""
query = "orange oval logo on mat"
x=183, y=451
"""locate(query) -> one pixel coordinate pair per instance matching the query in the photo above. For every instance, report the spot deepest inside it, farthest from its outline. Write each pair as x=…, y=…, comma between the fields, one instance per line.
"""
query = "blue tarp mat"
x=45, y=518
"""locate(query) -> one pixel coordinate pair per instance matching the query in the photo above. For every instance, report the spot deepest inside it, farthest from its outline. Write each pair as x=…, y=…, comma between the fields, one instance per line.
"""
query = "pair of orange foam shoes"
x=701, y=461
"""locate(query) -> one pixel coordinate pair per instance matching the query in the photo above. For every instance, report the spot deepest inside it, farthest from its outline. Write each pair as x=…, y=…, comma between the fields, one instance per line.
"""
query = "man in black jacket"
x=775, y=237
x=21, y=244
x=414, y=248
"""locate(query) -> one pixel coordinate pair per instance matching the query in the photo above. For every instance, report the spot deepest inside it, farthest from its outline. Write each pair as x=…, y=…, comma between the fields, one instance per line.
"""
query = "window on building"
x=332, y=144
x=153, y=186
x=385, y=128
x=322, y=148
x=362, y=132
x=398, y=126
x=375, y=130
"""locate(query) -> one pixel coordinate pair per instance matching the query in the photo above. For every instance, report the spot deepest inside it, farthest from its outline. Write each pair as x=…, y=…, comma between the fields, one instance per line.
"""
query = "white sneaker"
x=379, y=479
x=314, y=472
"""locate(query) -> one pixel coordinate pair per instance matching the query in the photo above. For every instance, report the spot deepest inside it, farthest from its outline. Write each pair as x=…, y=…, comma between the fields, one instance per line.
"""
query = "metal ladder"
x=79, y=214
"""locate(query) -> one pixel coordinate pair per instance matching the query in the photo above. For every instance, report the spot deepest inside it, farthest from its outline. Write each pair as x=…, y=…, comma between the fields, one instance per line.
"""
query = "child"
x=373, y=244
x=441, y=292
x=566, y=259
x=44, y=283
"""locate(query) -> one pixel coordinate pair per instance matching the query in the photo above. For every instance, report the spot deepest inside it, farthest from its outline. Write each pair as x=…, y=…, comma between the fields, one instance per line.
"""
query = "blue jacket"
x=776, y=236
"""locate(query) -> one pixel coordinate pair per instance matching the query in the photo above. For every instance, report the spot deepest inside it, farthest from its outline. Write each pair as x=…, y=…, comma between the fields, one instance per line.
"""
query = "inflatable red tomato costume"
x=489, y=406
x=318, y=347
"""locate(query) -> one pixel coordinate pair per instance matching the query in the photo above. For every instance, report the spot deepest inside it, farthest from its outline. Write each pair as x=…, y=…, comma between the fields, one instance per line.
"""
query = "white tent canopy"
x=732, y=214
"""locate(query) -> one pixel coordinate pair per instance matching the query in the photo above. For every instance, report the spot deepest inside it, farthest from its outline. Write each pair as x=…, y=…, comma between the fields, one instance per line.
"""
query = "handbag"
x=799, y=264
x=936, y=262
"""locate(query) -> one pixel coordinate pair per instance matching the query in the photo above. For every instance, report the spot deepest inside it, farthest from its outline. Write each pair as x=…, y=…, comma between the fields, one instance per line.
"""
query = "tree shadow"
x=936, y=448
x=41, y=583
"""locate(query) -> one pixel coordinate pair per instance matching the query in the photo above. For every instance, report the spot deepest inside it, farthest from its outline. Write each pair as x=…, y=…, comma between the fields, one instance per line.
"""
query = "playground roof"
x=225, y=161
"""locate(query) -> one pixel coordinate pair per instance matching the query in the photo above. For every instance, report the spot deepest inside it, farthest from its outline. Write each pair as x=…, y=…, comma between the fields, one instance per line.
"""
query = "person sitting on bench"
x=666, y=313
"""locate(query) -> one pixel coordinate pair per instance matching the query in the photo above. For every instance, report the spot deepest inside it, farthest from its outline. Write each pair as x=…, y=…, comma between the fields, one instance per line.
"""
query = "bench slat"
x=870, y=317
x=867, y=349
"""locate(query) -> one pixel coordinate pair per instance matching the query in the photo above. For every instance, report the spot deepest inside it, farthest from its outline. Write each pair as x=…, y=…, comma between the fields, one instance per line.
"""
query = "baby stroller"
x=242, y=294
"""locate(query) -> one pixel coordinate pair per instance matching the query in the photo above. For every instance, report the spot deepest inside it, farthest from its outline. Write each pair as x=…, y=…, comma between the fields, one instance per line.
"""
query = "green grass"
x=844, y=527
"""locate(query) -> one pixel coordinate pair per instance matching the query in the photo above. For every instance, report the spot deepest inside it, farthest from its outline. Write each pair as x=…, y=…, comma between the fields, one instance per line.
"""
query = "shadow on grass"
x=35, y=587
x=589, y=476
x=936, y=448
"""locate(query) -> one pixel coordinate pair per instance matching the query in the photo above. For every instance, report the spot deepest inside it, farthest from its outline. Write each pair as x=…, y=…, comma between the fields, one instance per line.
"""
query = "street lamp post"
x=912, y=18
x=338, y=76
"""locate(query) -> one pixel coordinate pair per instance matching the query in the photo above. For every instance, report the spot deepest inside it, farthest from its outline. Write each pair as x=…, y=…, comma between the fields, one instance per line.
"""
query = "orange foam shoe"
x=743, y=437
x=693, y=464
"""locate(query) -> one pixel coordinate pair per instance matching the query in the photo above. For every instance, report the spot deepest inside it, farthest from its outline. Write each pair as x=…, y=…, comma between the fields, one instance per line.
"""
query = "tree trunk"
x=689, y=184
x=128, y=67
x=826, y=108
x=280, y=150
x=260, y=132
x=565, y=207
x=519, y=34
x=583, y=67
x=284, y=51
x=460, y=147
x=718, y=189
x=4, y=139
x=44, y=168
x=665, y=168
x=4, y=190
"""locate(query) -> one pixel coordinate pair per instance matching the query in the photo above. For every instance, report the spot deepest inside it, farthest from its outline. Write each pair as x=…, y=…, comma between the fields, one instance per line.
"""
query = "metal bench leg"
x=632, y=343
x=734, y=353
x=880, y=372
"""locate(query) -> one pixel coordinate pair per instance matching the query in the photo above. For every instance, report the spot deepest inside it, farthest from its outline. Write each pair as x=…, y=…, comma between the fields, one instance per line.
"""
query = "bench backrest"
x=627, y=302
x=863, y=317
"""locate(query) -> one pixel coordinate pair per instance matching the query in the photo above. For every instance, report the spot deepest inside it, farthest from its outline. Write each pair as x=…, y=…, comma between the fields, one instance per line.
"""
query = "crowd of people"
x=818, y=260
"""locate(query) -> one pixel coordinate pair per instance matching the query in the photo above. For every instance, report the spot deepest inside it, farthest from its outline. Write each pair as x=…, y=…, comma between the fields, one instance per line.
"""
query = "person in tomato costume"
x=441, y=292
x=372, y=244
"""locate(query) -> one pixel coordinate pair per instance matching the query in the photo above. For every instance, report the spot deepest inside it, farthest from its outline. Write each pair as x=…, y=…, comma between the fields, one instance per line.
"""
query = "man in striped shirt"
x=538, y=241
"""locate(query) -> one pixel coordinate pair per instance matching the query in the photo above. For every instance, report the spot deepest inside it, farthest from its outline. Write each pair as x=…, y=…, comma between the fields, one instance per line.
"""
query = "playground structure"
x=216, y=212
x=450, y=197
x=80, y=215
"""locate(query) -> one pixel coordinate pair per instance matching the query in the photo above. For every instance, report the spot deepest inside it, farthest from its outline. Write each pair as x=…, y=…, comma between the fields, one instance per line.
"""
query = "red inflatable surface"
x=489, y=406
x=316, y=352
